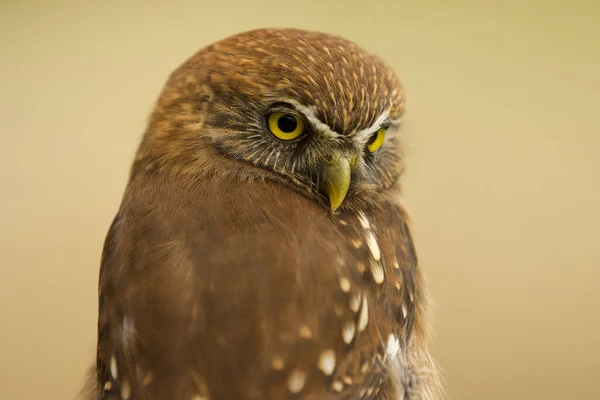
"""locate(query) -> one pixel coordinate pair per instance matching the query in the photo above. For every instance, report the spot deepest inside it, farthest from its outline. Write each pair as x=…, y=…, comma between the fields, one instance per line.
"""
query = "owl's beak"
x=337, y=176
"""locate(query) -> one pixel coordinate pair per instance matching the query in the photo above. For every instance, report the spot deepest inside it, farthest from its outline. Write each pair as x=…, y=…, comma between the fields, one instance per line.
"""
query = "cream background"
x=503, y=177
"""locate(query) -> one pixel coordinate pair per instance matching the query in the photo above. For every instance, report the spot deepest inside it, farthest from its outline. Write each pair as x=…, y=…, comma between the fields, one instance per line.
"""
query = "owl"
x=260, y=250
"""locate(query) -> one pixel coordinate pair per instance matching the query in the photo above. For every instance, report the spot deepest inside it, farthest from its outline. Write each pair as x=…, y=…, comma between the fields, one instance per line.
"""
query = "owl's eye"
x=376, y=141
x=285, y=126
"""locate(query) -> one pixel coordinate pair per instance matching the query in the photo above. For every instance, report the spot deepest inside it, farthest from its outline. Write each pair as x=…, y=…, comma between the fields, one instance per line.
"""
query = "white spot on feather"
x=345, y=285
x=305, y=332
x=364, y=222
x=114, y=371
x=327, y=362
x=364, y=368
x=348, y=330
x=393, y=346
x=148, y=379
x=296, y=381
x=125, y=390
x=373, y=247
x=337, y=386
x=377, y=272
x=277, y=363
x=355, y=302
x=360, y=267
x=363, y=318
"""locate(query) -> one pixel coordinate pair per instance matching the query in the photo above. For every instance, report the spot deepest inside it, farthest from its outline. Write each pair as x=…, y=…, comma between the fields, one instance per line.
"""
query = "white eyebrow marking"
x=311, y=115
x=364, y=135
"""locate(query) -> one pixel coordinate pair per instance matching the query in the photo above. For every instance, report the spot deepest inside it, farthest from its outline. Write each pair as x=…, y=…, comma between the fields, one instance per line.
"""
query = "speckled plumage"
x=225, y=275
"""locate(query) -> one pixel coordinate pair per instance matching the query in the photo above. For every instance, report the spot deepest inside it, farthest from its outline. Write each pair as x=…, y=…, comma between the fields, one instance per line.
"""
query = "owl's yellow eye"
x=376, y=140
x=285, y=126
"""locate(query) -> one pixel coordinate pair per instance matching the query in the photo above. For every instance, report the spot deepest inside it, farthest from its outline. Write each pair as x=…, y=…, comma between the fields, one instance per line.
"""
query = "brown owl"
x=260, y=251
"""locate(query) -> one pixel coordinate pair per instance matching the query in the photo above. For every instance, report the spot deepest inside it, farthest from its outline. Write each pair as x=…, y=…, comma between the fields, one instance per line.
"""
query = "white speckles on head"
x=305, y=332
x=377, y=272
x=337, y=386
x=373, y=247
x=108, y=386
x=355, y=302
x=327, y=362
x=329, y=82
x=348, y=330
x=296, y=381
x=404, y=313
x=347, y=380
x=114, y=371
x=393, y=346
x=345, y=284
x=363, y=318
x=125, y=390
x=395, y=264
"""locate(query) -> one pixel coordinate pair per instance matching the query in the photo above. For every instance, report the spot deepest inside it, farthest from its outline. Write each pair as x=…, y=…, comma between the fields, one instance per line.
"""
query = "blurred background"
x=503, y=179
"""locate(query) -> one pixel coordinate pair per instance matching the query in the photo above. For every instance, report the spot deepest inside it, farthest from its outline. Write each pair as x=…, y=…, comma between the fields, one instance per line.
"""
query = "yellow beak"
x=337, y=175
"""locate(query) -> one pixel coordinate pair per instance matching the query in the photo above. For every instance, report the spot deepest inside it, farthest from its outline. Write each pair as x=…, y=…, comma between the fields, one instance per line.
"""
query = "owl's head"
x=306, y=109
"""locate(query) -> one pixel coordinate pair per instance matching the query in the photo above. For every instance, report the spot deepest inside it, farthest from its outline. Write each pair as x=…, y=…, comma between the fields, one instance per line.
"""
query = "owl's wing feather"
x=244, y=290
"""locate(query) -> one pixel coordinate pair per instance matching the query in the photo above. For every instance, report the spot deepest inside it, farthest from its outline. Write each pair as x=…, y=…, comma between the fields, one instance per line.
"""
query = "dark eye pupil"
x=287, y=123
